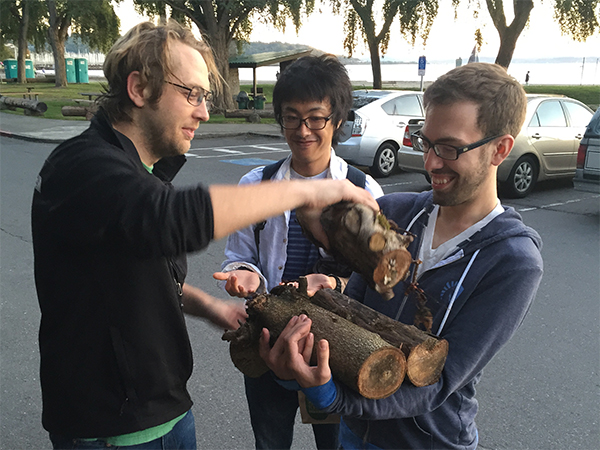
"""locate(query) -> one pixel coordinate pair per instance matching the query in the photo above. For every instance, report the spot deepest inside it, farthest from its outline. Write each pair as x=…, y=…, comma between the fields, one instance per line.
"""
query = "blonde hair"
x=145, y=48
x=501, y=100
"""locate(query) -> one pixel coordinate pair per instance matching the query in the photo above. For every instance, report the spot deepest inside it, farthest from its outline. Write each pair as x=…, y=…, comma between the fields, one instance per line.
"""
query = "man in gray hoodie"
x=481, y=267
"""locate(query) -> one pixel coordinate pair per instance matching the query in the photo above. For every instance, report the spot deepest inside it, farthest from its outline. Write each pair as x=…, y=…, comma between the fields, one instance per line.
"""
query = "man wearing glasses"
x=311, y=100
x=478, y=271
x=110, y=237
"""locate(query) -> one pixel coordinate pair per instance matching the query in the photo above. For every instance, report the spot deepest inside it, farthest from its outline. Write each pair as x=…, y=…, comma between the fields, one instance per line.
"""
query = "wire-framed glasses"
x=312, y=123
x=196, y=95
x=446, y=151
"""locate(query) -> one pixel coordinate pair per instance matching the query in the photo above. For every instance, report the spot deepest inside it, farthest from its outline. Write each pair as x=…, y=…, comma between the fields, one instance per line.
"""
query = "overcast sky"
x=449, y=38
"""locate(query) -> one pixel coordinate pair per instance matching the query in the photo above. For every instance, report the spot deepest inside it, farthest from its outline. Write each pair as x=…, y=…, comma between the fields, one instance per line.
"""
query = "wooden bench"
x=29, y=94
x=90, y=95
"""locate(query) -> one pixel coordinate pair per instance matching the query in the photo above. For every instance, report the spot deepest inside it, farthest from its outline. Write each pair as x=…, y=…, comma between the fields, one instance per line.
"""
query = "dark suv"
x=587, y=173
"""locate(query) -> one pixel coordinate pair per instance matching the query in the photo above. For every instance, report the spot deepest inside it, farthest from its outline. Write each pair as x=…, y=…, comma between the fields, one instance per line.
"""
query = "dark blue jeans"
x=181, y=437
x=273, y=413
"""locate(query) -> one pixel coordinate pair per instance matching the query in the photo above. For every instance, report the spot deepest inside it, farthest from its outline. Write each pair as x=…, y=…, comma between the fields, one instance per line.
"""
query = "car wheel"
x=522, y=178
x=385, y=161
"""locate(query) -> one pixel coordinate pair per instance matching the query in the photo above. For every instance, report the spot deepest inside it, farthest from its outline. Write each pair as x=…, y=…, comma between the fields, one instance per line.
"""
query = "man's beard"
x=159, y=139
x=466, y=187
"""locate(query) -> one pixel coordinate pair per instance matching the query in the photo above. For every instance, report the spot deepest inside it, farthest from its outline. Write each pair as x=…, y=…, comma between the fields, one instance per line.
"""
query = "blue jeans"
x=181, y=437
x=273, y=413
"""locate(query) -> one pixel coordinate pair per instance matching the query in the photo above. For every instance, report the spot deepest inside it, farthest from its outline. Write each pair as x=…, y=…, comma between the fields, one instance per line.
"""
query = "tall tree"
x=94, y=21
x=361, y=17
x=576, y=18
x=222, y=22
x=22, y=21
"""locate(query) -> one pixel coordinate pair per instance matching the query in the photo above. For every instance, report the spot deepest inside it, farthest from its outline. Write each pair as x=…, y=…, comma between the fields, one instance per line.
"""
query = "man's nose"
x=201, y=112
x=432, y=161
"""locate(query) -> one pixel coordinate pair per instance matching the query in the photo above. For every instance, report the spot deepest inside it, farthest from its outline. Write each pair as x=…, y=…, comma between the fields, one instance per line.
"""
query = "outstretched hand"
x=290, y=357
x=240, y=283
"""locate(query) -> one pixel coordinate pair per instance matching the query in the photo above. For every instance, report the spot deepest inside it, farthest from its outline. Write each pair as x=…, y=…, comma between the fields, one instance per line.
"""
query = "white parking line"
x=270, y=152
x=396, y=184
x=553, y=205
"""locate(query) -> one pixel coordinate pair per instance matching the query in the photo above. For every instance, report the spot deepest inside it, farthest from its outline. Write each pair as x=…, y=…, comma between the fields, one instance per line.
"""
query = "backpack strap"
x=268, y=172
x=356, y=176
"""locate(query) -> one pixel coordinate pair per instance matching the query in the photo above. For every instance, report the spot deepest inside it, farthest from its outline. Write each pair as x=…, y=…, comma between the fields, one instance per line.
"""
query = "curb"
x=24, y=137
x=207, y=135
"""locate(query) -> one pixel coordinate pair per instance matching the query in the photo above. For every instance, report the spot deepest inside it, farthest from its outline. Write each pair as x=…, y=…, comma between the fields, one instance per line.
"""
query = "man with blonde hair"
x=479, y=272
x=110, y=236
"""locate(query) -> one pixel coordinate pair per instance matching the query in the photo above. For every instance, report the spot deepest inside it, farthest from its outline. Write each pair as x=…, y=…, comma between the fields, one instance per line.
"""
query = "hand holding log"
x=363, y=239
x=358, y=358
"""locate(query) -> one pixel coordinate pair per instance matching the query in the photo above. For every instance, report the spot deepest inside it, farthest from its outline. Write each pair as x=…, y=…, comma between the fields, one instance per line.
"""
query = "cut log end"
x=382, y=373
x=426, y=361
x=392, y=268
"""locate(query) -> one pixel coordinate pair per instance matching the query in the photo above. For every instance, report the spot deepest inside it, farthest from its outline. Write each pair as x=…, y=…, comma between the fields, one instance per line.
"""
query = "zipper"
x=178, y=284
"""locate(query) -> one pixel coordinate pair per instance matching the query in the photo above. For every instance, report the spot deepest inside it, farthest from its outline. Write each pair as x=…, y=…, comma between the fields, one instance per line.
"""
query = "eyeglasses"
x=445, y=151
x=196, y=95
x=312, y=123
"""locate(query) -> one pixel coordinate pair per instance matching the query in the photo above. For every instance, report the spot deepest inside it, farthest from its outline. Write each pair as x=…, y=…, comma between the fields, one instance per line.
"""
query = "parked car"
x=546, y=147
x=375, y=128
x=587, y=172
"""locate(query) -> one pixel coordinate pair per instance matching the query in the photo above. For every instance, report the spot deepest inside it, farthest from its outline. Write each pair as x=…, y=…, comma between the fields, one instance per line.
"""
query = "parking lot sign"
x=422, y=63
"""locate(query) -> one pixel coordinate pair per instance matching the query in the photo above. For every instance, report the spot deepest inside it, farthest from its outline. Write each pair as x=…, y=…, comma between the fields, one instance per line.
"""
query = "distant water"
x=539, y=73
x=407, y=74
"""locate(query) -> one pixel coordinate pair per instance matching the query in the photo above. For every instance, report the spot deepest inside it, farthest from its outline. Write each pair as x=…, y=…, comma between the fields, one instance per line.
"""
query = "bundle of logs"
x=369, y=352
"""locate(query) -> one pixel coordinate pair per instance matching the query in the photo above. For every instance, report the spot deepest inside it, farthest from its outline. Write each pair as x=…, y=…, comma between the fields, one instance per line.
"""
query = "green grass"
x=590, y=95
x=56, y=98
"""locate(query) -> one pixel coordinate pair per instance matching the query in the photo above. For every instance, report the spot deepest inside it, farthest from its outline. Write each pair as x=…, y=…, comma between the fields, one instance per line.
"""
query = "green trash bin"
x=70, y=69
x=29, y=70
x=10, y=68
x=81, y=70
x=242, y=100
x=259, y=102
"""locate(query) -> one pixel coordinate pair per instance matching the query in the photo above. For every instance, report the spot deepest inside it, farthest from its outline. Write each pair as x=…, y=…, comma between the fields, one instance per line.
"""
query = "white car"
x=375, y=128
x=546, y=147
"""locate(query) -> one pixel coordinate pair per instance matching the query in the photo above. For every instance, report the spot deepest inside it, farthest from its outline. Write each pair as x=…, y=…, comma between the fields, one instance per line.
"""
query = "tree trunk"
x=22, y=44
x=360, y=359
x=56, y=37
x=220, y=46
x=368, y=243
x=508, y=34
x=425, y=353
x=375, y=63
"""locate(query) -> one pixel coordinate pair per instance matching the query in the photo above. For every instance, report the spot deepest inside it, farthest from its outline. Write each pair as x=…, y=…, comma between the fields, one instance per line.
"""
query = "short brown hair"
x=144, y=48
x=501, y=99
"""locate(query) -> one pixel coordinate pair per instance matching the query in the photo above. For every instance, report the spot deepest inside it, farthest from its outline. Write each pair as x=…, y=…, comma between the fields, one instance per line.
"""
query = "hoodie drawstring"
x=456, y=291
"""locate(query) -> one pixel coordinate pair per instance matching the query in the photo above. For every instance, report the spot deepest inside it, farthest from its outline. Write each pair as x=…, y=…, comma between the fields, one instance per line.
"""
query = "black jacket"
x=109, y=244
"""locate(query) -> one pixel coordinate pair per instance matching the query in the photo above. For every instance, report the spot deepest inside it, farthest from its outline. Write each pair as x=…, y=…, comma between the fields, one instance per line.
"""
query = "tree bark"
x=360, y=359
x=425, y=353
x=22, y=44
x=57, y=34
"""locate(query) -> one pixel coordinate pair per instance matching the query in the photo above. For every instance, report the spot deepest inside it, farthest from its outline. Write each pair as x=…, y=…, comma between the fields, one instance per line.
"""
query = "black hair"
x=315, y=78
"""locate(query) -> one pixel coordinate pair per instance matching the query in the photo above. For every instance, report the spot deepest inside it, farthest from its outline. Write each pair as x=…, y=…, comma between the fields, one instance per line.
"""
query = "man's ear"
x=502, y=148
x=135, y=89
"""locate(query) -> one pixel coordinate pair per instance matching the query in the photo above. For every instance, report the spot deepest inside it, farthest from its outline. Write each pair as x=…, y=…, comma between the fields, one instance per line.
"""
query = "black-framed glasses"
x=196, y=95
x=445, y=151
x=312, y=123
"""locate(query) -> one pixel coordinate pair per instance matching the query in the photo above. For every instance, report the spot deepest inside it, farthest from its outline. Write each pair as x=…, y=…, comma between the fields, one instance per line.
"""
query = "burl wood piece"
x=355, y=235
